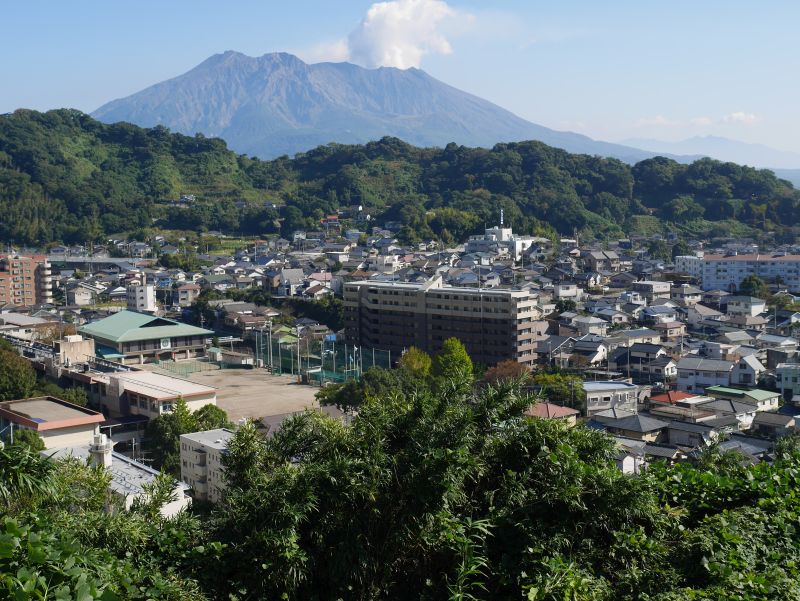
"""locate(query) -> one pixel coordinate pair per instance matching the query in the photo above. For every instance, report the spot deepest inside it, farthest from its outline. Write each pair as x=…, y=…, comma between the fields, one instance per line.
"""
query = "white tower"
x=142, y=298
x=100, y=451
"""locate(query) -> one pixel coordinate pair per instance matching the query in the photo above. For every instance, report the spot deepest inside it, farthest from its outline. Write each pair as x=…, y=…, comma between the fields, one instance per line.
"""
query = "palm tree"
x=24, y=474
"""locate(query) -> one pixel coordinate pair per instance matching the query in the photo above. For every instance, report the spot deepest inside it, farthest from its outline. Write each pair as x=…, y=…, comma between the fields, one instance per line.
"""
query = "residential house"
x=773, y=425
x=602, y=395
x=748, y=306
x=652, y=289
x=637, y=427
x=748, y=371
x=556, y=412
x=764, y=400
x=743, y=412
x=695, y=374
x=787, y=379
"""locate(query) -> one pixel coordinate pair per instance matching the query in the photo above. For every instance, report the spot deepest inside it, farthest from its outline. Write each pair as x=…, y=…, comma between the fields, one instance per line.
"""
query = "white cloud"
x=396, y=33
x=741, y=117
x=701, y=121
x=659, y=120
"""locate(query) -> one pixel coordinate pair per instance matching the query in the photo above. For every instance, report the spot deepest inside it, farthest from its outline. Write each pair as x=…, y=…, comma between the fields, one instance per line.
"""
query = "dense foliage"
x=65, y=176
x=163, y=432
x=432, y=492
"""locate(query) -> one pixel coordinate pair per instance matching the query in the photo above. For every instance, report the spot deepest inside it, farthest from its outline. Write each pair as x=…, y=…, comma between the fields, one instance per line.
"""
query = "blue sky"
x=612, y=69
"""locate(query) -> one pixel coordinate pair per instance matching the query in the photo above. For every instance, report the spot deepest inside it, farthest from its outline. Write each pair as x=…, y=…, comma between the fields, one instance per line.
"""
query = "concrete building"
x=25, y=281
x=652, y=289
x=129, y=479
x=691, y=265
x=131, y=337
x=201, y=462
x=185, y=294
x=746, y=306
x=150, y=394
x=59, y=423
x=611, y=394
x=787, y=379
x=726, y=272
x=695, y=374
x=142, y=298
x=494, y=325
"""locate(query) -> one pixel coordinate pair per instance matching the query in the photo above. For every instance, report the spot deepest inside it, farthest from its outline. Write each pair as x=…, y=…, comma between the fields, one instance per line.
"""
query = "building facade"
x=494, y=325
x=59, y=423
x=25, y=281
x=201, y=462
x=726, y=272
x=132, y=337
x=141, y=297
x=695, y=374
x=611, y=394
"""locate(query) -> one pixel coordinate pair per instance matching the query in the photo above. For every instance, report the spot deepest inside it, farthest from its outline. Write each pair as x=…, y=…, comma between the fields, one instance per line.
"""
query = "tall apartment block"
x=494, y=325
x=25, y=281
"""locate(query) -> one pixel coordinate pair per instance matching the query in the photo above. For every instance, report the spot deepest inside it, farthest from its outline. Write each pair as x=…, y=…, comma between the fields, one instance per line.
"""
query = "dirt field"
x=254, y=393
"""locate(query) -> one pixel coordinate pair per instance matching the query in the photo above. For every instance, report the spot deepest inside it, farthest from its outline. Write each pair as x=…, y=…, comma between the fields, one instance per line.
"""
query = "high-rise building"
x=25, y=281
x=494, y=325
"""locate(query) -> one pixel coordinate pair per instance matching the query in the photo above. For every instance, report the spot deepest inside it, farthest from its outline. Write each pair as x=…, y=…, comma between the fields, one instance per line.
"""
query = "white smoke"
x=399, y=33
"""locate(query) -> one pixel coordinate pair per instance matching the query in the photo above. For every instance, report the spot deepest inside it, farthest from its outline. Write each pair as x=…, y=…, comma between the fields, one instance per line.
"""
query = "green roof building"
x=132, y=337
x=764, y=400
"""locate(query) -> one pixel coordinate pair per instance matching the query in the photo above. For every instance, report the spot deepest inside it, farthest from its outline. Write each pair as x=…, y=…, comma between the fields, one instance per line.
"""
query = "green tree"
x=210, y=417
x=681, y=248
x=17, y=378
x=561, y=389
x=452, y=362
x=752, y=285
x=29, y=439
x=75, y=395
x=163, y=436
x=565, y=304
x=416, y=361
x=658, y=249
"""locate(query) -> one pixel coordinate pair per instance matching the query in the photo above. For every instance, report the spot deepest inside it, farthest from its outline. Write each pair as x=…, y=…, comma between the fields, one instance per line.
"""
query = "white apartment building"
x=691, y=265
x=726, y=272
x=142, y=298
x=201, y=462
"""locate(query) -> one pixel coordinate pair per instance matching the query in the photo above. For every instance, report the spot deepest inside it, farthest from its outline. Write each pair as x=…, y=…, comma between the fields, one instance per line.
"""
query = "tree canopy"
x=66, y=177
x=437, y=493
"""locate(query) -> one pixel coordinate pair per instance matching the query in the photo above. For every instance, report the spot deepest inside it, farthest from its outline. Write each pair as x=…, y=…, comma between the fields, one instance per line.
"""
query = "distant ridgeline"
x=65, y=176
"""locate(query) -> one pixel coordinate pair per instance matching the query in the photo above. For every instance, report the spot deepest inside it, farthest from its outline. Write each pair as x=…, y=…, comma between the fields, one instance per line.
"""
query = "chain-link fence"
x=320, y=361
x=185, y=367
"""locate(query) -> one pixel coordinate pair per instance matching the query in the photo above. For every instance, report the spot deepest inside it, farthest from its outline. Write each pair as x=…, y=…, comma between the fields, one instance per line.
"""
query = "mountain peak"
x=277, y=104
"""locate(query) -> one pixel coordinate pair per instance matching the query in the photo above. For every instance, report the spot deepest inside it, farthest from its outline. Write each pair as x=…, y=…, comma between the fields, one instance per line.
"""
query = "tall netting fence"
x=319, y=361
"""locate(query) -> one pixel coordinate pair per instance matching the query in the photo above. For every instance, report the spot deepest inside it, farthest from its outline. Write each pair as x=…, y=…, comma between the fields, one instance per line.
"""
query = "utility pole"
x=269, y=350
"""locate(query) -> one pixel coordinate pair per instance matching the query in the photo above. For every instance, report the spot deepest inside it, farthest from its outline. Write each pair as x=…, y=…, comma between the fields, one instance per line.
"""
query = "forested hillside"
x=66, y=177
